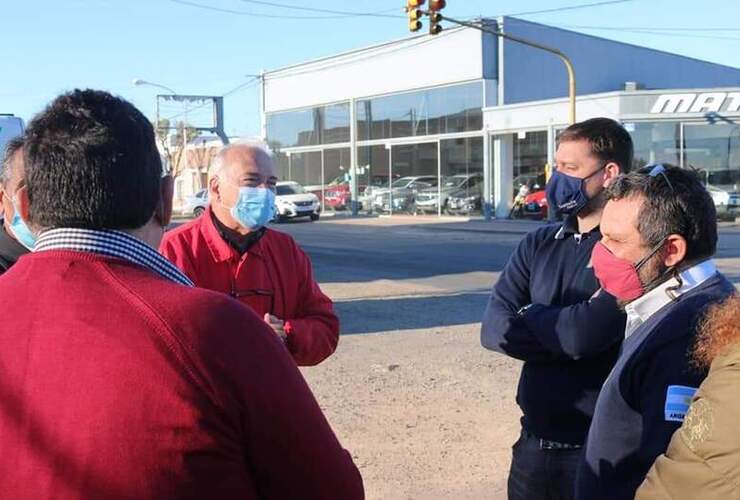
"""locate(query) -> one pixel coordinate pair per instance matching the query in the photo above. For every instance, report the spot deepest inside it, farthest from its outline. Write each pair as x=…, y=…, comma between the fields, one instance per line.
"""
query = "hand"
x=277, y=325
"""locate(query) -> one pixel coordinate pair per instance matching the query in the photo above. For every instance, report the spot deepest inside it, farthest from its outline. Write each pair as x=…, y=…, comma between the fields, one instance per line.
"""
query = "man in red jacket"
x=228, y=249
x=118, y=379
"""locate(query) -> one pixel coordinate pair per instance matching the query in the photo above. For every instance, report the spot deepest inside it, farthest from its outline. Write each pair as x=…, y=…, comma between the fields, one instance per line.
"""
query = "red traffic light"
x=436, y=4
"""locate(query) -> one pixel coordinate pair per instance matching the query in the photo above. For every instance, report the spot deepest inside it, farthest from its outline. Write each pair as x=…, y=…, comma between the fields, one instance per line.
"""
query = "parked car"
x=338, y=193
x=292, y=200
x=724, y=188
x=726, y=201
x=455, y=186
x=196, y=204
x=402, y=194
x=535, y=204
x=465, y=202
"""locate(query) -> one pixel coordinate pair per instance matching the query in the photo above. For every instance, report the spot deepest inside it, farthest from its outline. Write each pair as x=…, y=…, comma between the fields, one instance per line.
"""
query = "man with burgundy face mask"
x=659, y=234
x=546, y=310
x=229, y=249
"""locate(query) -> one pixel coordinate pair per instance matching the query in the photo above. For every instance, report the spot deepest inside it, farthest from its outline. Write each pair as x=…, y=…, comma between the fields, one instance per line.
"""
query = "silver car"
x=401, y=197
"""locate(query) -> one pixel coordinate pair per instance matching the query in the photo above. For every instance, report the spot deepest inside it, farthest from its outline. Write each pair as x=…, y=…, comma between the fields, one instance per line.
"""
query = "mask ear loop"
x=672, y=291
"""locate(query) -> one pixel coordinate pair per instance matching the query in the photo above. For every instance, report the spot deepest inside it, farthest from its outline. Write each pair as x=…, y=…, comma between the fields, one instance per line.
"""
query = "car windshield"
x=284, y=189
x=402, y=182
x=201, y=194
x=454, y=181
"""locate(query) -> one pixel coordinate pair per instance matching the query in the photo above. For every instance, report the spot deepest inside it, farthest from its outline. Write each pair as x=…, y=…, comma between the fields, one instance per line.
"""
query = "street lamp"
x=138, y=81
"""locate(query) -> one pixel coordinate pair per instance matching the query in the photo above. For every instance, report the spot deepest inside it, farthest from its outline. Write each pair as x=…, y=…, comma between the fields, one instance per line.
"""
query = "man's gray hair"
x=13, y=146
x=218, y=163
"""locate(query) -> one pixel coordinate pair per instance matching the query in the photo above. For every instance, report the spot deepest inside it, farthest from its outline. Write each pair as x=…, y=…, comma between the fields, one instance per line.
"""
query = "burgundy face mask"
x=619, y=277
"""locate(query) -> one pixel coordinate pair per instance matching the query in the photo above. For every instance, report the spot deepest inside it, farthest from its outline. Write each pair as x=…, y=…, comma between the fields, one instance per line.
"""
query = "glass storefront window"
x=293, y=128
x=530, y=157
x=337, y=193
x=305, y=169
x=714, y=150
x=461, y=184
x=529, y=178
x=457, y=108
x=373, y=174
x=335, y=124
x=309, y=127
x=655, y=142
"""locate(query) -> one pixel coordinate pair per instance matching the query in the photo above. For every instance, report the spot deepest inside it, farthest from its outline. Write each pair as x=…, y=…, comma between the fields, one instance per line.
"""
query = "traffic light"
x=434, y=16
x=414, y=13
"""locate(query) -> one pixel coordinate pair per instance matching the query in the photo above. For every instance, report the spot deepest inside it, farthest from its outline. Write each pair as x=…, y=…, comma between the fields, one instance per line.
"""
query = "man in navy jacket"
x=547, y=310
x=659, y=235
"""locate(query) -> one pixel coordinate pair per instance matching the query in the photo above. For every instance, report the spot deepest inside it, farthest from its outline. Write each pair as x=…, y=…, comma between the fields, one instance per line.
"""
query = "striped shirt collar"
x=112, y=244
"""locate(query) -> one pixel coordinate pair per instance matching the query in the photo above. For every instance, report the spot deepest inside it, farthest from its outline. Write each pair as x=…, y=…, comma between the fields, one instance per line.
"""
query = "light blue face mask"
x=20, y=230
x=254, y=208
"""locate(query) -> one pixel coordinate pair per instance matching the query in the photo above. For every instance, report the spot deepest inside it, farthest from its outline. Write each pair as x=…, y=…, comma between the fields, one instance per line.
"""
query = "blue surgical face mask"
x=254, y=208
x=568, y=193
x=20, y=230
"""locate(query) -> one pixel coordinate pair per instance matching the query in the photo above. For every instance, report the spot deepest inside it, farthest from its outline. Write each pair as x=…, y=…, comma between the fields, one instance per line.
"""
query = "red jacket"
x=117, y=383
x=274, y=277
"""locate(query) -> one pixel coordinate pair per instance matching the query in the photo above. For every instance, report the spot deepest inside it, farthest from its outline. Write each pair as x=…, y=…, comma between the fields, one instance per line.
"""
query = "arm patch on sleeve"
x=677, y=401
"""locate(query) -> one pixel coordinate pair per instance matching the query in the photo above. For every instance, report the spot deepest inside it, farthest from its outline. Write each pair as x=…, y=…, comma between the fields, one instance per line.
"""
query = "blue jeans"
x=538, y=474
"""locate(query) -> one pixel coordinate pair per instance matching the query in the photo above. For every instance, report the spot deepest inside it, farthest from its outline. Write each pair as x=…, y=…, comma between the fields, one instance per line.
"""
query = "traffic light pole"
x=523, y=41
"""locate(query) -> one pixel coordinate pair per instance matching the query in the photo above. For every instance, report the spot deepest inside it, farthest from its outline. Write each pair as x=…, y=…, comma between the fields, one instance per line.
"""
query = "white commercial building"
x=460, y=120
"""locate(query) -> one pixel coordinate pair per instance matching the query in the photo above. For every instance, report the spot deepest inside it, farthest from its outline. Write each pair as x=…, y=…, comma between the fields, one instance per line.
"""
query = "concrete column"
x=353, y=157
x=503, y=174
x=487, y=177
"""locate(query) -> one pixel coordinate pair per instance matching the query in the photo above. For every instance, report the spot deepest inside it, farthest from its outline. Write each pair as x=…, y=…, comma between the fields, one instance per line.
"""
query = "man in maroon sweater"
x=118, y=379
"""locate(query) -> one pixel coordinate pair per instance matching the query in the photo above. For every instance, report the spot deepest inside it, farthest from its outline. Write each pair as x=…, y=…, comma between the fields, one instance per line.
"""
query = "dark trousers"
x=538, y=474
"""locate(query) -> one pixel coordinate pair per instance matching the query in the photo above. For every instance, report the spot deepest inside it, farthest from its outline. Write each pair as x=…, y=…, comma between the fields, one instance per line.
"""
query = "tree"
x=170, y=140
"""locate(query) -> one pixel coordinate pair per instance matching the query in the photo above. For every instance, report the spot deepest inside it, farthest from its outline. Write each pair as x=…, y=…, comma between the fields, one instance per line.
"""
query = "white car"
x=726, y=200
x=196, y=204
x=292, y=200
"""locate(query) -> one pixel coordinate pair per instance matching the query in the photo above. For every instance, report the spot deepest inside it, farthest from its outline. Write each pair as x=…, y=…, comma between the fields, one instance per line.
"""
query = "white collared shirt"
x=639, y=310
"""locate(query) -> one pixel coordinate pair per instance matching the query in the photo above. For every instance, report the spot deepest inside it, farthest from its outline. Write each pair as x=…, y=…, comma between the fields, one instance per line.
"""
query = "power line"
x=646, y=31
x=570, y=7
x=339, y=13
x=242, y=86
x=274, y=16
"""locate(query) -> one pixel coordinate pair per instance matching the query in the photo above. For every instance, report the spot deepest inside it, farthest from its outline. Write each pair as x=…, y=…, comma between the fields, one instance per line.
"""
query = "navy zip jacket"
x=635, y=415
x=568, y=336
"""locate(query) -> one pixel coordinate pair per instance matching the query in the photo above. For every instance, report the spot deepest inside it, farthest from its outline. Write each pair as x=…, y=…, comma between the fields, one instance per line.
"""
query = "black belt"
x=546, y=444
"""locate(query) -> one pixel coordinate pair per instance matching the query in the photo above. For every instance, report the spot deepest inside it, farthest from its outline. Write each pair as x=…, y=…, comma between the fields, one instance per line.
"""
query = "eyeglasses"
x=660, y=169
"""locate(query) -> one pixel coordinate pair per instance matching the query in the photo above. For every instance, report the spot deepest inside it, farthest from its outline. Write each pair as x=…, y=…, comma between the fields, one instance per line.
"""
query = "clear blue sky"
x=51, y=46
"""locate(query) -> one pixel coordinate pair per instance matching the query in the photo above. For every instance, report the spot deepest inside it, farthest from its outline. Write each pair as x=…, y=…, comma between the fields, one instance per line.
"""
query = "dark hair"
x=11, y=148
x=91, y=162
x=609, y=141
x=676, y=202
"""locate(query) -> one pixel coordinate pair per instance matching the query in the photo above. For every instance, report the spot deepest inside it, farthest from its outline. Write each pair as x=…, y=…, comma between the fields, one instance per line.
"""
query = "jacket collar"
x=570, y=227
x=641, y=309
x=219, y=248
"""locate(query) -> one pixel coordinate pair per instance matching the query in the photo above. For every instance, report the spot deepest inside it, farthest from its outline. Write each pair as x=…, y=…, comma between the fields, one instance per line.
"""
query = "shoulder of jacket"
x=183, y=231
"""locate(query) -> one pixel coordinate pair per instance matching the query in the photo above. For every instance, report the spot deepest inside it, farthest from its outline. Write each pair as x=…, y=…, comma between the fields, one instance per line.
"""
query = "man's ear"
x=214, y=192
x=163, y=212
x=674, y=251
x=23, y=203
x=611, y=172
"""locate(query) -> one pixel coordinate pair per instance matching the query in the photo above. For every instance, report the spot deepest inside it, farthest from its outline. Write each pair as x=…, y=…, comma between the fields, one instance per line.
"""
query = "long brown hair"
x=719, y=330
